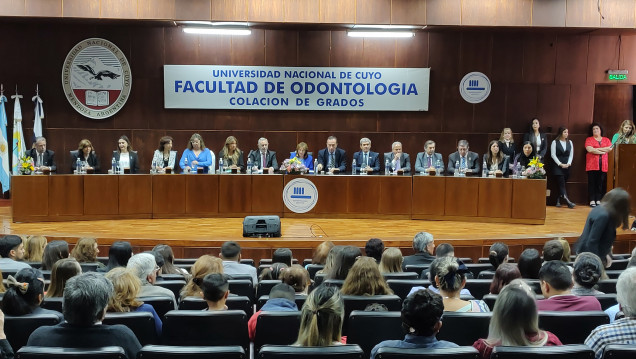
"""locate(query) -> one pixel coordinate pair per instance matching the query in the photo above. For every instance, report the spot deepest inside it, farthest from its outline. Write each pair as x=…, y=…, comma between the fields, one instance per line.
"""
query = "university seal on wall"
x=96, y=78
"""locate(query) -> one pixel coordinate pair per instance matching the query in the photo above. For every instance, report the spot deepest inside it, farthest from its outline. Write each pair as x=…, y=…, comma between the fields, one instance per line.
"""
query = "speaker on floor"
x=261, y=226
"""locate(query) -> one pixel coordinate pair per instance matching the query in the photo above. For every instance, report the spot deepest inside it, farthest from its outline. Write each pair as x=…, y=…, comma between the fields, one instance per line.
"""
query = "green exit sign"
x=618, y=77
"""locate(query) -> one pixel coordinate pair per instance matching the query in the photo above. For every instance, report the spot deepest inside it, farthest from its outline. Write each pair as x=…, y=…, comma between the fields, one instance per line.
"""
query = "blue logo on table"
x=474, y=87
x=300, y=195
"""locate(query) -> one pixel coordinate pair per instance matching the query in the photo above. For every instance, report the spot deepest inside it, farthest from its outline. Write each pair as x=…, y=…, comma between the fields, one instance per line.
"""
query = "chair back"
x=464, y=328
x=276, y=328
x=417, y=268
x=175, y=286
x=299, y=299
x=265, y=286
x=360, y=302
x=402, y=287
x=242, y=287
x=165, y=276
x=475, y=268
x=89, y=267
x=74, y=353
x=162, y=305
x=53, y=303
x=561, y=351
x=619, y=264
x=18, y=329
x=478, y=287
x=572, y=327
x=191, y=352
x=203, y=328
x=367, y=329
x=400, y=275
x=466, y=352
x=607, y=285
x=347, y=351
x=619, y=351
x=486, y=274
x=313, y=268
x=606, y=300
x=141, y=323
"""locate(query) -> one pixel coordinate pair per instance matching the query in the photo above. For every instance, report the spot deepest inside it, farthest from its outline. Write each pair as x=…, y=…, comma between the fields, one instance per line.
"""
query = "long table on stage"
x=39, y=198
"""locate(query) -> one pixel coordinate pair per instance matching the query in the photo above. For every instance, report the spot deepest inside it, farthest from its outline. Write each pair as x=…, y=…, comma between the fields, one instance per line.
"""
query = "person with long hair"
x=599, y=232
x=85, y=152
x=34, y=248
x=596, y=163
x=588, y=270
x=515, y=321
x=505, y=274
x=507, y=143
x=297, y=277
x=566, y=250
x=498, y=254
x=562, y=152
x=196, y=155
x=496, y=160
x=343, y=261
x=232, y=156
x=126, y=287
x=524, y=157
x=451, y=279
x=118, y=255
x=86, y=251
x=25, y=293
x=321, y=252
x=273, y=272
x=164, y=157
x=125, y=156
x=538, y=138
x=364, y=278
x=53, y=252
x=321, y=318
x=391, y=261
x=303, y=155
x=203, y=266
x=168, y=267
x=625, y=134
x=62, y=271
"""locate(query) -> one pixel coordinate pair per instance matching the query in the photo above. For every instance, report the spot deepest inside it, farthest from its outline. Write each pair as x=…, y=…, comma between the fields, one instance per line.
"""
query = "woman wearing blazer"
x=86, y=154
x=125, y=155
x=164, y=156
x=538, y=139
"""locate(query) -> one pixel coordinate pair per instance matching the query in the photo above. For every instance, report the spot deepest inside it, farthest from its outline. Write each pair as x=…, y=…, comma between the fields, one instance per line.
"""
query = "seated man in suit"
x=332, y=157
x=428, y=159
x=467, y=159
x=263, y=159
x=424, y=246
x=43, y=159
x=366, y=160
x=398, y=160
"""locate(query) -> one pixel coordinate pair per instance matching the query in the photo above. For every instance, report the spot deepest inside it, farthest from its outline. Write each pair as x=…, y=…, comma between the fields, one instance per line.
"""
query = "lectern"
x=622, y=170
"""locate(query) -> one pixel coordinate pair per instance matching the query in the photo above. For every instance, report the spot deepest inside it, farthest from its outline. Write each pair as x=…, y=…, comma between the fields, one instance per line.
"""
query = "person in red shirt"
x=556, y=285
x=596, y=164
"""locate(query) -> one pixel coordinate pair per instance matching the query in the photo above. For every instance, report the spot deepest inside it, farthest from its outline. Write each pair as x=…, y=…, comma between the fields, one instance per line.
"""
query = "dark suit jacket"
x=598, y=234
x=134, y=161
x=405, y=161
x=92, y=160
x=541, y=151
x=340, y=157
x=373, y=158
x=504, y=166
x=270, y=159
x=49, y=158
x=419, y=258
x=472, y=162
x=510, y=150
x=421, y=161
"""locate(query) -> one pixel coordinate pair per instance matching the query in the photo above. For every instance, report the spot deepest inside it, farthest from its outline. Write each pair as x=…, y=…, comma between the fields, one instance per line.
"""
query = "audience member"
x=215, y=288
x=143, y=265
x=529, y=263
x=85, y=299
x=272, y=272
x=282, y=298
x=391, y=261
x=553, y=251
x=444, y=250
x=614, y=312
x=282, y=255
x=206, y=264
x=364, y=278
x=53, y=252
x=126, y=287
x=374, y=249
x=421, y=319
x=588, y=270
x=297, y=277
x=621, y=331
x=424, y=245
x=168, y=266
x=504, y=275
x=343, y=261
x=159, y=261
x=330, y=260
x=6, y=351
x=34, y=249
x=231, y=256
x=25, y=293
x=566, y=250
x=433, y=270
x=321, y=318
x=63, y=270
x=556, y=285
x=12, y=252
x=321, y=252
x=450, y=279
x=86, y=251
x=118, y=255
x=515, y=321
x=498, y=254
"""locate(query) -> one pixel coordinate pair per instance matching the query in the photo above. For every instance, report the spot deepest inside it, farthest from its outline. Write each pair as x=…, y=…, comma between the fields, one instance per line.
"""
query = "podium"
x=622, y=170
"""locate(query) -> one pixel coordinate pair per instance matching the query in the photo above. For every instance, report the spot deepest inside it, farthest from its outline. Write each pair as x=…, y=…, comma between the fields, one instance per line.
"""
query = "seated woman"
x=503, y=276
x=203, y=266
x=364, y=278
x=422, y=318
x=53, y=252
x=125, y=156
x=86, y=154
x=343, y=259
x=118, y=255
x=25, y=293
x=126, y=288
x=196, y=155
x=525, y=156
x=432, y=272
x=34, y=248
x=530, y=263
x=496, y=161
x=515, y=321
x=321, y=318
x=168, y=267
x=164, y=157
x=391, y=261
x=86, y=251
x=297, y=277
x=302, y=154
x=450, y=280
x=498, y=254
x=62, y=271
x=232, y=156
x=215, y=289
x=321, y=252
x=588, y=270
x=273, y=272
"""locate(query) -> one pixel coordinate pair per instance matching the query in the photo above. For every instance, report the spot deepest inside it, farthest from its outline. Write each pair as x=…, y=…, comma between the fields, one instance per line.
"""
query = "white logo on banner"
x=300, y=195
x=474, y=87
x=296, y=88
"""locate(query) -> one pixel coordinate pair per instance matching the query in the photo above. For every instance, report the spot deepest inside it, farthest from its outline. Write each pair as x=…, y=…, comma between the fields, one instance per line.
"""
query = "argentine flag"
x=18, y=135
x=39, y=115
x=4, y=147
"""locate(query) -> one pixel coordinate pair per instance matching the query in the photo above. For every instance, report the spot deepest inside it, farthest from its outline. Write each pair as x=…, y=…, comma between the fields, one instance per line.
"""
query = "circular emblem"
x=300, y=195
x=96, y=78
x=474, y=87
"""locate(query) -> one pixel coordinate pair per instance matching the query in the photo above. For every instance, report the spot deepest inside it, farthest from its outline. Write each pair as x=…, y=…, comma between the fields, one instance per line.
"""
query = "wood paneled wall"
x=546, y=74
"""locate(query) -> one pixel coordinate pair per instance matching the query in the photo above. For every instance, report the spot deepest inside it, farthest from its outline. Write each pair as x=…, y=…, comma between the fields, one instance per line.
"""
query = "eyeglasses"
x=157, y=268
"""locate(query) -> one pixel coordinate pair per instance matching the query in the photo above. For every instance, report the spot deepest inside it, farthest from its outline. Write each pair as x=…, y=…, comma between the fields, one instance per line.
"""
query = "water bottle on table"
x=315, y=166
x=353, y=166
x=249, y=166
x=78, y=166
x=387, y=167
x=221, y=169
x=113, y=166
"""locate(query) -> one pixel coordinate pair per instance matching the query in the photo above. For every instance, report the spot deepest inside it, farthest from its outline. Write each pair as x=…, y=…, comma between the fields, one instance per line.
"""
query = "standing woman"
x=125, y=155
x=196, y=155
x=596, y=165
x=507, y=144
x=625, y=134
x=562, y=154
x=86, y=154
x=164, y=156
x=232, y=156
x=538, y=139
x=496, y=161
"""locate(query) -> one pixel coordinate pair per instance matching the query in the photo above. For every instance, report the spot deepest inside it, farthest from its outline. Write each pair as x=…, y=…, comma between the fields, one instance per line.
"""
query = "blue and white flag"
x=39, y=115
x=18, y=135
x=4, y=147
